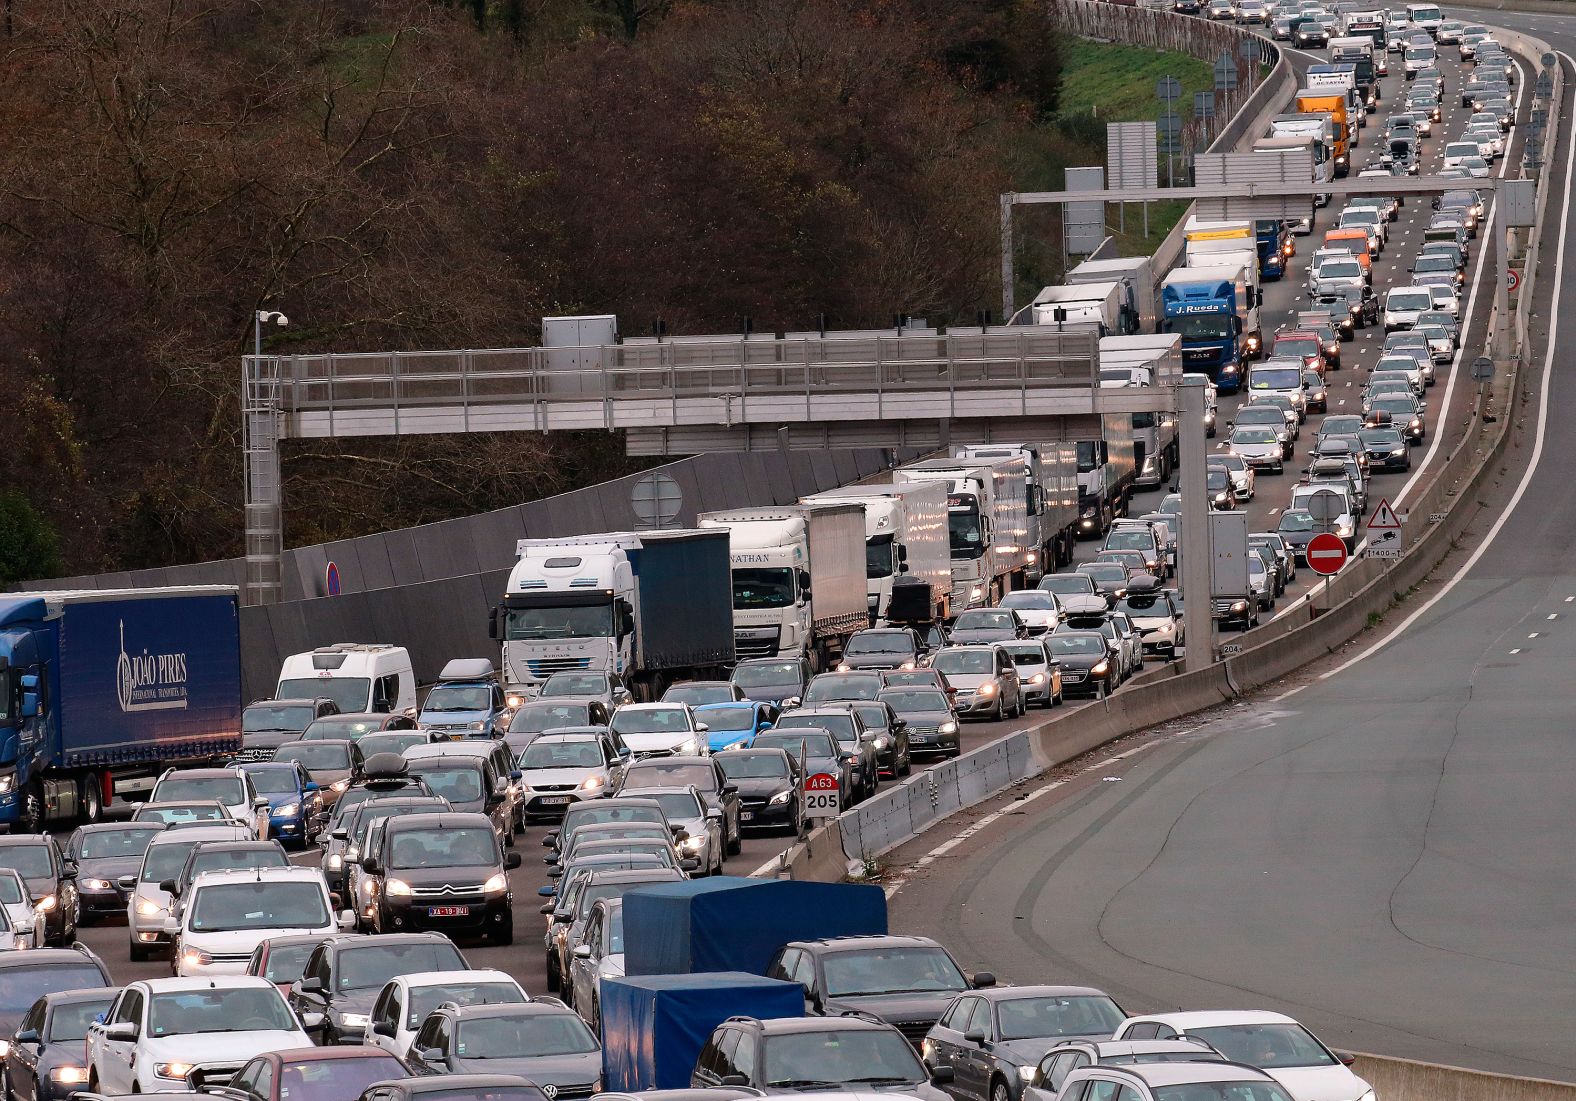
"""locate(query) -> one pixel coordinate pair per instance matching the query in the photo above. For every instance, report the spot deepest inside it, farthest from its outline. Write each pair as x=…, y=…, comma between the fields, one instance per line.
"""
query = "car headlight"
x=1398, y=451
x=336, y=862
x=1417, y=422
x=976, y=592
x=514, y=701
x=693, y=844
x=1239, y=606
x=987, y=689
x=339, y=785
x=289, y=810
x=1253, y=342
x=46, y=904
x=149, y=909
x=779, y=799
x=1038, y=678
x=1165, y=628
x=1101, y=668
x=481, y=725
x=843, y=667
x=69, y=1076
x=354, y=1020
x=1344, y=531
x=496, y=884
x=1331, y=348
x=175, y=1071
x=882, y=741
x=195, y=957
x=7, y=783
x=741, y=743
x=95, y=884
x=1229, y=369
x=1026, y=1074
x=396, y=888
x=948, y=727
x=687, y=747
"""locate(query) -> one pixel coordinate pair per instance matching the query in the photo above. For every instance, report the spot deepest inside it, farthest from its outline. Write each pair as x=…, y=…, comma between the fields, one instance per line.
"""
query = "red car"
x=1302, y=344
x=310, y=1074
x=281, y=960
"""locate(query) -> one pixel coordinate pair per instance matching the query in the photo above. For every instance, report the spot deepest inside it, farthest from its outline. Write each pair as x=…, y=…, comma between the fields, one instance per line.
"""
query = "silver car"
x=148, y=904
x=560, y=769
x=986, y=680
x=686, y=809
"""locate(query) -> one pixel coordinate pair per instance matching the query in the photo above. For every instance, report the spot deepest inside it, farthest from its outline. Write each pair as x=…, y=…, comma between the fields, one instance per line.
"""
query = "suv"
x=471, y=784
x=703, y=773
x=500, y=762
x=230, y=787
x=345, y=973
x=229, y=913
x=27, y=976
x=904, y=981
x=798, y=1055
x=38, y=862
x=268, y=724
x=442, y=871
x=148, y=903
x=467, y=701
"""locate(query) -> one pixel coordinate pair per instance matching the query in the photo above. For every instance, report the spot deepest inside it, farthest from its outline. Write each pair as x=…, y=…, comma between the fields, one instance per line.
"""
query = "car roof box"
x=467, y=669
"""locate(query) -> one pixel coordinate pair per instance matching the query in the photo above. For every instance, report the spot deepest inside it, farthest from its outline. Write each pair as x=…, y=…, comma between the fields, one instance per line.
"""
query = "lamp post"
x=260, y=444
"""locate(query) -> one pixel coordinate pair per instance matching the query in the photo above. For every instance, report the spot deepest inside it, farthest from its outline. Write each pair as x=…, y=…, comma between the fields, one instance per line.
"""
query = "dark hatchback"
x=932, y=723
x=97, y=856
x=347, y=971
x=44, y=1061
x=444, y=872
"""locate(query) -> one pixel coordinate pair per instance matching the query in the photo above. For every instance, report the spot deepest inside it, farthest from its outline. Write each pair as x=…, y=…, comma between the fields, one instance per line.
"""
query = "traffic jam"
x=527, y=880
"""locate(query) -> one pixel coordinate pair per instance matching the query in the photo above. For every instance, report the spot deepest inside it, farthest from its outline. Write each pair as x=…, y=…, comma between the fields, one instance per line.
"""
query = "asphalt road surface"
x=1383, y=851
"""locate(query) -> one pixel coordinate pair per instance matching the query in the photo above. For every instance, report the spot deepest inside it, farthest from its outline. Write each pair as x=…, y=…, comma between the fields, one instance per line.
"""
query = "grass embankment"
x=1101, y=82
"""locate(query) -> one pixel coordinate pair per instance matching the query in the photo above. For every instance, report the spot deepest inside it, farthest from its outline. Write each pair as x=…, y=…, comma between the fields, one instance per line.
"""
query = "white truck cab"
x=359, y=677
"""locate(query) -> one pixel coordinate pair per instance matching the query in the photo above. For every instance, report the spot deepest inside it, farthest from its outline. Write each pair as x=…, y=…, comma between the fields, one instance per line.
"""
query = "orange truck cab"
x=1333, y=104
x=1354, y=241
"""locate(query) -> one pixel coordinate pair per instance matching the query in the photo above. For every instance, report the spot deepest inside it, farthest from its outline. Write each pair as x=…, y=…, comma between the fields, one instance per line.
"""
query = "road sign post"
x=1383, y=533
x=1326, y=555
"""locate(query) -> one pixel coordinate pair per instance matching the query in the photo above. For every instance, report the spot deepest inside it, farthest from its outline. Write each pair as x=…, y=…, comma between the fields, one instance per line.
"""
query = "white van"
x=359, y=677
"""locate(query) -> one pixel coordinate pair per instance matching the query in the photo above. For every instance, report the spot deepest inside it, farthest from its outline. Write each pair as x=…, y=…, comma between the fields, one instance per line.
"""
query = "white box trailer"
x=1137, y=276
x=1155, y=445
x=905, y=536
x=1081, y=303
x=987, y=521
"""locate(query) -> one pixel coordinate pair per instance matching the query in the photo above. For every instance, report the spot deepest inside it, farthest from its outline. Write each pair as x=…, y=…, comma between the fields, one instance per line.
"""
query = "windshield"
x=574, y=684
x=548, y=753
x=841, y=726
x=533, y=718
x=1026, y=655
x=916, y=699
x=267, y=717
x=71, y=1021
x=1064, y=584
x=1076, y=644
x=349, y=693
x=697, y=695
x=1041, y=601
x=1144, y=605
x=1302, y=345
x=655, y=720
x=222, y=789
x=573, y=621
x=456, y=783
x=753, y=766
x=1268, y=1046
x=1434, y=263
x=890, y=971
x=1079, y=1015
x=963, y=527
x=225, y=860
x=311, y=755
x=816, y=744
x=21, y=986
x=804, y=1060
x=1131, y=539
x=880, y=642
x=485, y=1093
x=1396, y=406
x=983, y=620
x=1252, y=435
x=878, y=556
x=1409, y=300
x=342, y=729
x=1201, y=326
x=457, y=697
x=729, y=717
x=671, y=773
x=678, y=804
x=1112, y=573
x=952, y=662
x=761, y=587
x=230, y=907
x=273, y=781
x=245, y=1009
x=31, y=861
x=112, y=844
x=165, y=861
x=515, y=1036
x=393, y=742
x=1275, y=378
x=286, y=962
x=839, y=688
x=452, y=848
x=767, y=674
x=424, y=999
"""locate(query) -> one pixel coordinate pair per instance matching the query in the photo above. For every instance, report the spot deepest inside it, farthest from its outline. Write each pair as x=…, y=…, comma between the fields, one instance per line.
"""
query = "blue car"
x=295, y=805
x=734, y=725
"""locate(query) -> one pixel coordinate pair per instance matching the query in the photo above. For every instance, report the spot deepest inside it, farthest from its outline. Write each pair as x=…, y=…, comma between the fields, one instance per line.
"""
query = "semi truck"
x=1107, y=473
x=987, y=524
x=1136, y=274
x=798, y=579
x=1155, y=446
x=647, y=607
x=1332, y=105
x=103, y=690
x=1050, y=495
x=1082, y=303
x=1215, y=311
x=905, y=536
x=1358, y=52
x=1312, y=141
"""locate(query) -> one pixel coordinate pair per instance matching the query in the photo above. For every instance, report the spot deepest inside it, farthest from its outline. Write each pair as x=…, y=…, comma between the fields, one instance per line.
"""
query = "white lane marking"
x=1537, y=446
x=1517, y=650
x=1568, y=599
x=1554, y=615
x=984, y=823
x=1533, y=635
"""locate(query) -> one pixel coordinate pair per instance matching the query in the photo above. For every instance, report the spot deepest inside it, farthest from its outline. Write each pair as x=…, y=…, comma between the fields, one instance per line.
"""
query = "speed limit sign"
x=822, y=797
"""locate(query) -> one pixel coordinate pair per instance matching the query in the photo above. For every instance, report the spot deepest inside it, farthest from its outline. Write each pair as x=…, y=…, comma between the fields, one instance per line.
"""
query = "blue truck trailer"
x=101, y=690
x=1215, y=311
x=1275, y=247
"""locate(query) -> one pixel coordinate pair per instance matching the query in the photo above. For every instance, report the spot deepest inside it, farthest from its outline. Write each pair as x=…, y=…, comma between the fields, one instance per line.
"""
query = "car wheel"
x=735, y=843
x=998, y=1091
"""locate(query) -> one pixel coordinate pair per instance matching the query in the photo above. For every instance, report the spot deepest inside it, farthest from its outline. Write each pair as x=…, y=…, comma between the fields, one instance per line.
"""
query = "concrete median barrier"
x=1405, y=1080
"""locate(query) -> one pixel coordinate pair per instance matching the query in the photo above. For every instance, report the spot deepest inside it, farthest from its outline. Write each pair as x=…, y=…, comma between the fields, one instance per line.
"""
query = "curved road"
x=1385, y=851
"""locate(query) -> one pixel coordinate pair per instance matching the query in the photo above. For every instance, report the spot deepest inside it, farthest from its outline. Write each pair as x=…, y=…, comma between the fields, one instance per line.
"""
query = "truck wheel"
x=92, y=797
x=32, y=819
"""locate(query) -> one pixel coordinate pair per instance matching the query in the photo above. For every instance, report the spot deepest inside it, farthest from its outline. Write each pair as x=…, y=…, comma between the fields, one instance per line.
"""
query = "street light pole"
x=262, y=507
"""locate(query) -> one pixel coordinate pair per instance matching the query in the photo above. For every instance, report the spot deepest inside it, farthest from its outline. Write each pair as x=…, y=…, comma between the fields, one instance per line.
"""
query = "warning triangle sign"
x=1384, y=517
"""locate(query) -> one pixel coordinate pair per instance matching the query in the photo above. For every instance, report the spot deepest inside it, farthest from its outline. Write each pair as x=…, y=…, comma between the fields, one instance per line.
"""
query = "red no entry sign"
x=1326, y=554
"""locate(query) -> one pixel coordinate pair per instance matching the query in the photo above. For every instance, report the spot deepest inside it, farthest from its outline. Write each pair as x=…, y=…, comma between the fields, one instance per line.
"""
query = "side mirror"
x=941, y=1076
x=167, y=886
x=730, y=789
x=516, y=775
x=511, y=860
x=123, y=1031
x=689, y=864
x=383, y=1028
x=347, y=921
x=546, y=908
x=259, y=803
x=975, y=1036
x=309, y=787
x=733, y=1080
x=340, y=834
x=582, y=951
x=311, y=984
x=545, y=892
x=171, y=927
x=982, y=979
x=370, y=866
x=701, y=728
x=430, y=1055
x=555, y=873
x=548, y=838
x=27, y=1036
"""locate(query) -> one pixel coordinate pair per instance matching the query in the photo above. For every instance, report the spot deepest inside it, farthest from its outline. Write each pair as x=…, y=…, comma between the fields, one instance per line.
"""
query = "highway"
x=1381, y=849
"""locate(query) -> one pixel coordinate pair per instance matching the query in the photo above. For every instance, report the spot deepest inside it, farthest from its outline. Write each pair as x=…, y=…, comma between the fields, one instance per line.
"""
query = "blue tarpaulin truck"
x=1215, y=311
x=102, y=690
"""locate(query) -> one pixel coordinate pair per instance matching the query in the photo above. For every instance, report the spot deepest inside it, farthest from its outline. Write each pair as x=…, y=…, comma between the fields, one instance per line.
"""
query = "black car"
x=1087, y=669
x=882, y=648
x=347, y=971
x=27, y=976
x=1385, y=448
x=932, y=722
x=797, y=1054
x=456, y=1087
x=44, y=1061
x=471, y=786
x=344, y=840
x=268, y=724
x=849, y=729
x=541, y=1041
x=223, y=856
x=352, y=726
x=699, y=693
x=539, y=716
x=888, y=733
x=96, y=857
x=35, y=858
x=904, y=981
x=1297, y=528
x=815, y=751
x=773, y=680
x=768, y=783
x=442, y=871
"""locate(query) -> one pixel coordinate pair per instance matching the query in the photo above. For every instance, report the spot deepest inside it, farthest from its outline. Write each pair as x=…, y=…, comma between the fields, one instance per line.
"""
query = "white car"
x=229, y=787
x=1403, y=304
x=660, y=730
x=1476, y=168
x=228, y=914
x=159, y=1031
x=1458, y=151
x=147, y=902
x=1445, y=300
x=1365, y=218
x=598, y=956
x=1258, y=446
x=1040, y=610
x=1273, y=1042
x=1038, y=672
x=17, y=902
x=404, y=1002
x=559, y=770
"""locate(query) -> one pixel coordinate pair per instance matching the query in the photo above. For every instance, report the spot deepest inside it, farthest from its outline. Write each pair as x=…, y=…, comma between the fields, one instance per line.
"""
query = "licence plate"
x=448, y=911
x=554, y=800
x=920, y=739
x=746, y=816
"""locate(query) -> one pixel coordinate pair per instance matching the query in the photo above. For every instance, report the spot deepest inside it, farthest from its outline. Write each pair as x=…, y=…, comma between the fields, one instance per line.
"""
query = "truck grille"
x=754, y=647
x=546, y=667
x=255, y=753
